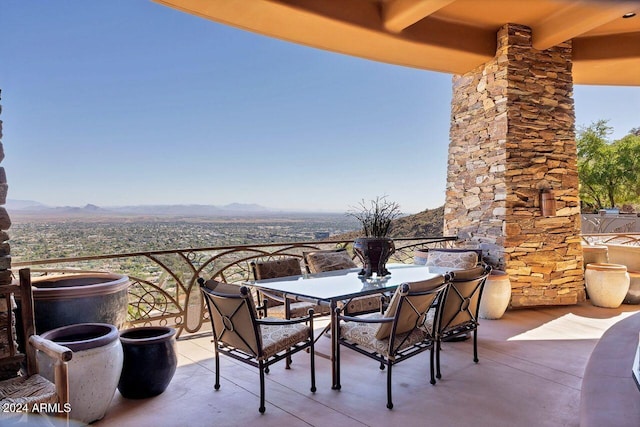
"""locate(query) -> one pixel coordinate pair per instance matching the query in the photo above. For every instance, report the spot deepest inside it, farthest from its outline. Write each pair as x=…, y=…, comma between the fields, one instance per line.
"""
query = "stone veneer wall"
x=512, y=134
x=11, y=364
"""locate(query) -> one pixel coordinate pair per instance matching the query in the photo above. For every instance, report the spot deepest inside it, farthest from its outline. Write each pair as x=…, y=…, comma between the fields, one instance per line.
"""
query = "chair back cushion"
x=409, y=308
x=461, y=301
x=276, y=268
x=452, y=259
x=321, y=261
x=232, y=314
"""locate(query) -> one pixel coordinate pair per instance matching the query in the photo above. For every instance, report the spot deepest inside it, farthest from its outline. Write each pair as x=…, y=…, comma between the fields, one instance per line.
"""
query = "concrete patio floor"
x=530, y=373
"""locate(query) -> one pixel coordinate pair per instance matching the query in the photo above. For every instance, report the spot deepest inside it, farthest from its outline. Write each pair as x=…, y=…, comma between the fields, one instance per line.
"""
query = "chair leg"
x=312, y=354
x=261, y=367
x=475, y=345
x=217, y=384
x=438, y=346
x=337, y=385
x=389, y=401
x=287, y=315
x=431, y=354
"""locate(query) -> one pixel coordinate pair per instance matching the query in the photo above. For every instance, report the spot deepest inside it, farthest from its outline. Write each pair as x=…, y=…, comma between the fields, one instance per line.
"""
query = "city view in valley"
x=37, y=237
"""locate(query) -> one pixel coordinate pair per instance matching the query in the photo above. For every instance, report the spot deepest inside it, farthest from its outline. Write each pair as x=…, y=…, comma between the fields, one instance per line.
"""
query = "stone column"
x=5, y=221
x=512, y=136
x=10, y=364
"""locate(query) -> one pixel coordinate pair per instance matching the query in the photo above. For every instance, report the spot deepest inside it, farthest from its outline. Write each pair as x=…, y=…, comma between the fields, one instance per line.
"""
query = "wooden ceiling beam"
x=400, y=14
x=575, y=20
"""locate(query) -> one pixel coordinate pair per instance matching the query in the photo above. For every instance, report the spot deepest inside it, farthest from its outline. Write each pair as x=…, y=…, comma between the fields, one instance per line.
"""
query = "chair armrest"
x=366, y=319
x=272, y=296
x=287, y=321
x=51, y=349
x=61, y=355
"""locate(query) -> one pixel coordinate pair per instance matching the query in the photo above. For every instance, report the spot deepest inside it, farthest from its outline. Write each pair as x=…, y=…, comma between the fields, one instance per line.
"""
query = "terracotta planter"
x=80, y=298
x=496, y=295
x=374, y=253
x=94, y=369
x=150, y=361
x=607, y=284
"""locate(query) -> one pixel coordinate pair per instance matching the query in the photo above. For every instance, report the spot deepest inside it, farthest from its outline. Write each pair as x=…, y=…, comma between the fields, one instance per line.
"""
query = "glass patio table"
x=329, y=288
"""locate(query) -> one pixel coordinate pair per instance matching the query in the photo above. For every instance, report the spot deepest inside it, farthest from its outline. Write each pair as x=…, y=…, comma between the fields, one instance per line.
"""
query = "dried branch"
x=376, y=216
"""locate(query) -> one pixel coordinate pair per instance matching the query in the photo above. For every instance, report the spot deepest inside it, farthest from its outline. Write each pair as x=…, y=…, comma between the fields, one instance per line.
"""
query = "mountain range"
x=426, y=223
x=33, y=207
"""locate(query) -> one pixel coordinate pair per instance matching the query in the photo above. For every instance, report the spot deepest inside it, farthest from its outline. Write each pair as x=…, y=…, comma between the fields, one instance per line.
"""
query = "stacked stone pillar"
x=10, y=364
x=512, y=136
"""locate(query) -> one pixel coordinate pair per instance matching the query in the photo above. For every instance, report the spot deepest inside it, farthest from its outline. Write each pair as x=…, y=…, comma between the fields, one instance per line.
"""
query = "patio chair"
x=459, y=312
x=30, y=388
x=338, y=259
x=277, y=305
x=448, y=257
x=237, y=332
x=327, y=260
x=399, y=333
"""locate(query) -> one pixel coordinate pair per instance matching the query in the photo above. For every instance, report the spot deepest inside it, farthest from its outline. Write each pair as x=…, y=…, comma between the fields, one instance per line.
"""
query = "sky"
x=127, y=102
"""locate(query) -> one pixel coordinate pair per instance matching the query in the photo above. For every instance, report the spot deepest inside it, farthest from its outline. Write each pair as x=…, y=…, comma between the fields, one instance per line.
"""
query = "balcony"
x=532, y=361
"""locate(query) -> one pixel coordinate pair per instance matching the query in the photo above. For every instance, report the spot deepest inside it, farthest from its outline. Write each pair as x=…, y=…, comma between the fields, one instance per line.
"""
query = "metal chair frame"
x=252, y=354
x=464, y=300
x=396, y=341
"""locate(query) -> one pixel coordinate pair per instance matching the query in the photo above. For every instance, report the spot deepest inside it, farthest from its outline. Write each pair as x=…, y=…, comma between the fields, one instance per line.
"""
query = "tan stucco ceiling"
x=452, y=36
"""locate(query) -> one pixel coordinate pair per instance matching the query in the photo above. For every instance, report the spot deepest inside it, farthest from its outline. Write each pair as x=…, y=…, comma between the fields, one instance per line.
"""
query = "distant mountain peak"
x=33, y=207
x=244, y=207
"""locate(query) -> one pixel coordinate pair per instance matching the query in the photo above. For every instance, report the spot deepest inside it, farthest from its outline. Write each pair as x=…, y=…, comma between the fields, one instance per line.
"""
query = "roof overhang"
x=452, y=36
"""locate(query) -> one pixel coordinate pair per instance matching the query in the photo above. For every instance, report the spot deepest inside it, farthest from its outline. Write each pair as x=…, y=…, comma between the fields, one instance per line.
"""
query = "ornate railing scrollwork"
x=164, y=289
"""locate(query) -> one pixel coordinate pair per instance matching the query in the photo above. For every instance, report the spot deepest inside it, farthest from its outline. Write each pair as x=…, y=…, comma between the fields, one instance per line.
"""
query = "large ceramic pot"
x=633, y=294
x=374, y=252
x=149, y=361
x=626, y=255
x=94, y=370
x=607, y=284
x=496, y=295
x=80, y=298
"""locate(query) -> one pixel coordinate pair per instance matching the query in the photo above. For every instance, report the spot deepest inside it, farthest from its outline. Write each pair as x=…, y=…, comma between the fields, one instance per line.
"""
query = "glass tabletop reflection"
x=344, y=284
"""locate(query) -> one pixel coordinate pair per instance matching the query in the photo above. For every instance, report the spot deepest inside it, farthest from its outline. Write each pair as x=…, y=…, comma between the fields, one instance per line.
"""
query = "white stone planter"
x=94, y=370
x=626, y=255
x=495, y=296
x=607, y=284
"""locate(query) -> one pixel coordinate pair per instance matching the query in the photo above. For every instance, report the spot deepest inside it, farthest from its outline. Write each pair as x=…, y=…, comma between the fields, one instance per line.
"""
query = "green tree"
x=609, y=171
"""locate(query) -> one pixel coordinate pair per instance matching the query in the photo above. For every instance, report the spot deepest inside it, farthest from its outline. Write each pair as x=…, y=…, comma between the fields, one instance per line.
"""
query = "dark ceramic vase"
x=150, y=361
x=374, y=252
x=80, y=298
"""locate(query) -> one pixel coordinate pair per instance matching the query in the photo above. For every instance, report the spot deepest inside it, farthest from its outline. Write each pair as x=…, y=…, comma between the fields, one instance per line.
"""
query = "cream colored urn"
x=607, y=284
x=496, y=295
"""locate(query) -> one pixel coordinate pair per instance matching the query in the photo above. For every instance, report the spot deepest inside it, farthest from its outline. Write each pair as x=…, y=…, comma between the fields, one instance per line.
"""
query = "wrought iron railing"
x=163, y=288
x=632, y=239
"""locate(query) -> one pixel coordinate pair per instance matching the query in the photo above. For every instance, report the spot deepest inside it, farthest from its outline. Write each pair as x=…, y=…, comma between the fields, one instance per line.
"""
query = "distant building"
x=321, y=235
